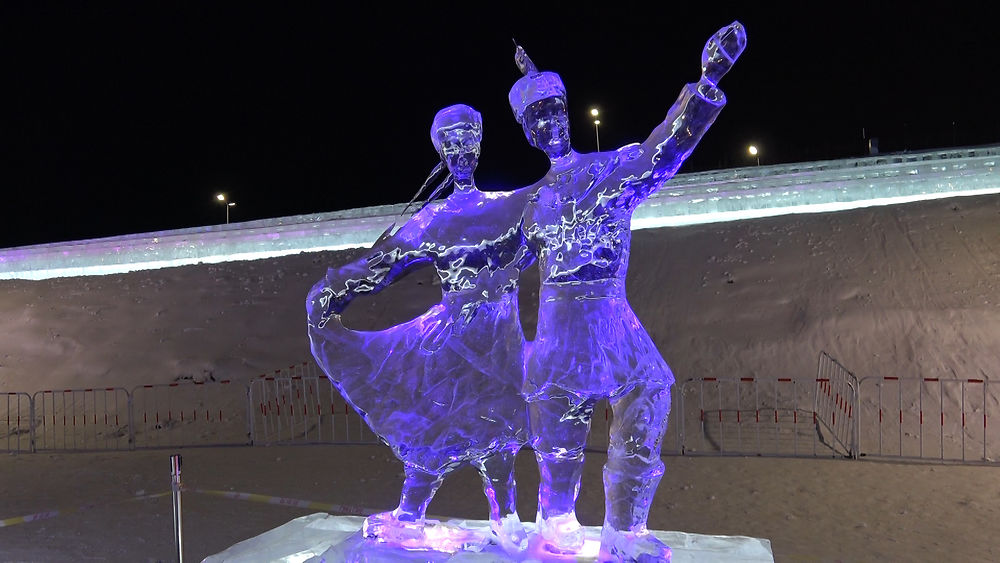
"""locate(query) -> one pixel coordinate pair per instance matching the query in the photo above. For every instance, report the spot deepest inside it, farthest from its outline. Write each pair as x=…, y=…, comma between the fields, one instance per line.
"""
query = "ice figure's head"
x=546, y=125
x=457, y=132
x=539, y=103
x=534, y=87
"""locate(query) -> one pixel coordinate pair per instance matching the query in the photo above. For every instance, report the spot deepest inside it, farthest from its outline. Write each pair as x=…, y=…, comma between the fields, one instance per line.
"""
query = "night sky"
x=126, y=118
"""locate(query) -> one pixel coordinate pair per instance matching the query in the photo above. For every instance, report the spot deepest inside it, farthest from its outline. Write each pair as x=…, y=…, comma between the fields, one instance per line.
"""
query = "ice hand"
x=721, y=51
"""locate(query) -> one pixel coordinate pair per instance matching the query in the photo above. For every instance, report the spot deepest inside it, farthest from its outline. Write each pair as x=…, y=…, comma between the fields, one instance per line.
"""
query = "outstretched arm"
x=696, y=108
x=387, y=261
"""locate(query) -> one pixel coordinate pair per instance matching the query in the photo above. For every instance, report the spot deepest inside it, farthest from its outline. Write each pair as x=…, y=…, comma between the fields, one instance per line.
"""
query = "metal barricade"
x=16, y=413
x=836, y=403
x=81, y=419
x=190, y=413
x=304, y=369
x=303, y=410
x=927, y=418
x=833, y=414
x=750, y=416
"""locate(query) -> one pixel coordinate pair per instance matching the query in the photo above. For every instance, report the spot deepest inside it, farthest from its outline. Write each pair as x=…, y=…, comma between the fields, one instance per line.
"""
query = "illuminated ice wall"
x=688, y=199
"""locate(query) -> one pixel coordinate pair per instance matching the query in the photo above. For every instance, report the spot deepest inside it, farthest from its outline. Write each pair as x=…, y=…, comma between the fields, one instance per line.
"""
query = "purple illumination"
x=589, y=343
x=443, y=389
x=449, y=386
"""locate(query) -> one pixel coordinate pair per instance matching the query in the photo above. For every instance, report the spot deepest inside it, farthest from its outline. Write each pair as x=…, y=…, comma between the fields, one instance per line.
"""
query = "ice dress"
x=443, y=388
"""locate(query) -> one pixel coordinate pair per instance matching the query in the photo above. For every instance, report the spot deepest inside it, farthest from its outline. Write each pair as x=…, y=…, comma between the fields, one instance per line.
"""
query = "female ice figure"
x=589, y=344
x=444, y=388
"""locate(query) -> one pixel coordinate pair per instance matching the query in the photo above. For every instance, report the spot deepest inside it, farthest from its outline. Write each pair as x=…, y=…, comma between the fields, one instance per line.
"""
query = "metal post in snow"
x=33, y=427
x=175, y=487
x=131, y=419
x=855, y=385
x=249, y=414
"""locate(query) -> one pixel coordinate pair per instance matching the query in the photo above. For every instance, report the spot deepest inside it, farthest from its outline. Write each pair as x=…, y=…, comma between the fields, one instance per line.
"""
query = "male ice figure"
x=589, y=344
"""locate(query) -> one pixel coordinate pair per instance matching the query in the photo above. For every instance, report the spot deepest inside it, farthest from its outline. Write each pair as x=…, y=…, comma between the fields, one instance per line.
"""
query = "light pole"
x=222, y=199
x=752, y=149
x=597, y=125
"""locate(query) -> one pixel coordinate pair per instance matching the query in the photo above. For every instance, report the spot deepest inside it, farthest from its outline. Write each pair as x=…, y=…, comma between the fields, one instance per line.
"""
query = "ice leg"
x=559, y=429
x=406, y=522
x=632, y=474
x=500, y=488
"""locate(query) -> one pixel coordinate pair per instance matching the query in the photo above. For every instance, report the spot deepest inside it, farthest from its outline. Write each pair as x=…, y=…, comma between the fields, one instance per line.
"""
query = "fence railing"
x=303, y=410
x=928, y=418
x=836, y=403
x=17, y=415
x=834, y=414
x=190, y=413
x=752, y=416
x=81, y=419
x=287, y=407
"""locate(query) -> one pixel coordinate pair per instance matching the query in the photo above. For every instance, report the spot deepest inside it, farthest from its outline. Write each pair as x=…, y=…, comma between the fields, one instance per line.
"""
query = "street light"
x=752, y=149
x=222, y=199
x=597, y=124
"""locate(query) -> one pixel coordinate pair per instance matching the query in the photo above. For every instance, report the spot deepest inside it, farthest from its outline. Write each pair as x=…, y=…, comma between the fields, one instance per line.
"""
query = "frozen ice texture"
x=332, y=539
x=443, y=389
x=589, y=344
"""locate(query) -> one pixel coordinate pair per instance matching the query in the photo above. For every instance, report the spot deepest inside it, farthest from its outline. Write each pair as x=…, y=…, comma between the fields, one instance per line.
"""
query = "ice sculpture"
x=589, y=343
x=444, y=388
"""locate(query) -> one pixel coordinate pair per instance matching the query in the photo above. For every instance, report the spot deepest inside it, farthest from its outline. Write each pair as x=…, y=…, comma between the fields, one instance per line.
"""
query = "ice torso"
x=578, y=224
x=475, y=243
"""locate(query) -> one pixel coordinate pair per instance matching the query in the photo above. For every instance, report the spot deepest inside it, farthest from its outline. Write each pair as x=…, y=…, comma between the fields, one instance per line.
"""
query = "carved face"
x=546, y=124
x=460, y=149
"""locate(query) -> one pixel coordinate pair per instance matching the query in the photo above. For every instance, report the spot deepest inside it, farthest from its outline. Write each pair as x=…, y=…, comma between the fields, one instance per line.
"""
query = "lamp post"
x=752, y=149
x=597, y=125
x=222, y=199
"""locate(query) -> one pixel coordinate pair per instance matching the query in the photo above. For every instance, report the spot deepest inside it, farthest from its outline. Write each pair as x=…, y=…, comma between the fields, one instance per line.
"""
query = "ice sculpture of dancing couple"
x=459, y=385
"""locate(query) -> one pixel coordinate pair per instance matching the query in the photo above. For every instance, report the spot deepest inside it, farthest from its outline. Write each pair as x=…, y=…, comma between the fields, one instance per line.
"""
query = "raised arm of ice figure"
x=696, y=108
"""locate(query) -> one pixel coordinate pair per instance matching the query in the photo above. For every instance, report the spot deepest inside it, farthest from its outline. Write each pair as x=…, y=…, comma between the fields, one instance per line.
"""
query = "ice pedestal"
x=323, y=537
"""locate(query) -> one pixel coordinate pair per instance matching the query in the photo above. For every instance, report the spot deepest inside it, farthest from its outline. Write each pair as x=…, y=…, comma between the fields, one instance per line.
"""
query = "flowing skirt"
x=441, y=389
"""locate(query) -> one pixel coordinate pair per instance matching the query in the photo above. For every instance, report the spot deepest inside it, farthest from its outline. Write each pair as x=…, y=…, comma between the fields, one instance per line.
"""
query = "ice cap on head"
x=452, y=117
x=533, y=86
